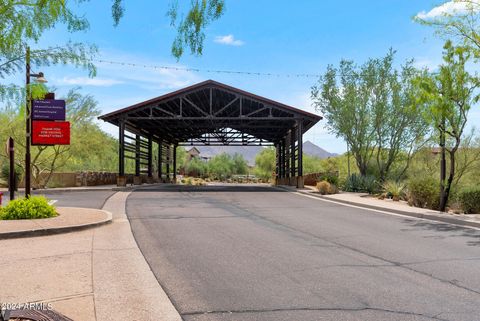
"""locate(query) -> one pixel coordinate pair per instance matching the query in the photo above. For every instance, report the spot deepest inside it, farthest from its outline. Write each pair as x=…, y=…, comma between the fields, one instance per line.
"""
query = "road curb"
x=437, y=218
x=56, y=230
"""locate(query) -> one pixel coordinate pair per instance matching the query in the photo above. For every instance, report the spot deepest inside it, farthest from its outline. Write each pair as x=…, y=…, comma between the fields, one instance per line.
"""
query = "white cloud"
x=424, y=62
x=453, y=7
x=85, y=81
x=229, y=40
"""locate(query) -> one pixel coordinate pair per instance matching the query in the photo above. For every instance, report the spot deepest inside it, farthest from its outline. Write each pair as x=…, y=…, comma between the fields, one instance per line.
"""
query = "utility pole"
x=11, y=176
x=27, y=127
x=28, y=123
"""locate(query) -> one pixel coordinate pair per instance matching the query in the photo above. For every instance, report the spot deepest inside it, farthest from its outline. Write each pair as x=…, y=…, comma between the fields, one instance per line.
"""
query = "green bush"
x=424, y=192
x=470, y=200
x=358, y=183
x=329, y=177
x=28, y=208
x=5, y=174
x=394, y=190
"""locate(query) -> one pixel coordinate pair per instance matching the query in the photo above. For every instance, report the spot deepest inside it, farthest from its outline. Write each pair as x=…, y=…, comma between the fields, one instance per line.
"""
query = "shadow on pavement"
x=209, y=188
x=452, y=230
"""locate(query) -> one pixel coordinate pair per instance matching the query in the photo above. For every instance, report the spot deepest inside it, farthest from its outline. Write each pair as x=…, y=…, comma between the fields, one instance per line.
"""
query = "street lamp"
x=40, y=79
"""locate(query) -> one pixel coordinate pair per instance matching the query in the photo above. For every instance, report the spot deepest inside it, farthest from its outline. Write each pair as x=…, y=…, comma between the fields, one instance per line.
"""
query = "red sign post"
x=50, y=133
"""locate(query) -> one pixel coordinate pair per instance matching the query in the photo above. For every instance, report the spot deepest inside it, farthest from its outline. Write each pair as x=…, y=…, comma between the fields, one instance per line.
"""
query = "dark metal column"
x=168, y=163
x=137, y=180
x=287, y=156
x=282, y=161
x=174, y=164
x=121, y=179
x=137, y=155
x=300, y=154
x=292, y=156
x=160, y=160
x=11, y=175
x=149, y=161
x=277, y=163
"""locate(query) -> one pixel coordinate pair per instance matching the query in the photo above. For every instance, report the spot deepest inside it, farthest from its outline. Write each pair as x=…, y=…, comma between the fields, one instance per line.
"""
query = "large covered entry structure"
x=209, y=113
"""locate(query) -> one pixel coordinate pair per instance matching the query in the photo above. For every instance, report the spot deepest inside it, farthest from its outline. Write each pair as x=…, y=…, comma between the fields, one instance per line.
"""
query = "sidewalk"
x=21, y=191
x=95, y=274
x=69, y=219
x=402, y=208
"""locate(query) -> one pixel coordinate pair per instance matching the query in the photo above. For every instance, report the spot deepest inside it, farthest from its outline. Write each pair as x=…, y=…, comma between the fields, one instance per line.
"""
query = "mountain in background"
x=250, y=152
x=311, y=149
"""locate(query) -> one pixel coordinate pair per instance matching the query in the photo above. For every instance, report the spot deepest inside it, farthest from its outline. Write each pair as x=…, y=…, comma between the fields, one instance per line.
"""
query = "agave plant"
x=394, y=190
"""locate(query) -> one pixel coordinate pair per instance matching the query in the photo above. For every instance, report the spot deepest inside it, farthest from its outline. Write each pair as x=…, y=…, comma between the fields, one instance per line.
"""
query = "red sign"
x=50, y=133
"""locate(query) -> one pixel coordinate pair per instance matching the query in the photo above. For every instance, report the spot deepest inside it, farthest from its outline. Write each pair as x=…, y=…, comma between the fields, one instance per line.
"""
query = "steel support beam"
x=137, y=180
x=160, y=159
x=137, y=155
x=121, y=149
x=277, y=163
x=287, y=156
x=300, y=154
x=292, y=154
x=167, y=161
x=174, y=164
x=150, y=158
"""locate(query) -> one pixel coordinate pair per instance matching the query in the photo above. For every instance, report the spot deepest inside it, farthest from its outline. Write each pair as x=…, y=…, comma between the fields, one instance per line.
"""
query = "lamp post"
x=41, y=79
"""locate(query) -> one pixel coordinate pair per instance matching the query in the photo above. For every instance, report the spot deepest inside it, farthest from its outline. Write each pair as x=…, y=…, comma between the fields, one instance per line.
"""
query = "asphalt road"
x=86, y=199
x=257, y=253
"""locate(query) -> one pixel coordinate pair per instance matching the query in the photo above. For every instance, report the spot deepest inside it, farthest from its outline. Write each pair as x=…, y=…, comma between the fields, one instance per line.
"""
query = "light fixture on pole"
x=40, y=78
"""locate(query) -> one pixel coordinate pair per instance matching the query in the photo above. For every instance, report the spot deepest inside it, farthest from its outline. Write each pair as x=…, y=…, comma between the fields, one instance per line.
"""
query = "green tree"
x=311, y=164
x=196, y=167
x=181, y=154
x=221, y=166
x=461, y=25
x=24, y=22
x=446, y=98
x=239, y=165
x=370, y=107
x=265, y=163
x=90, y=149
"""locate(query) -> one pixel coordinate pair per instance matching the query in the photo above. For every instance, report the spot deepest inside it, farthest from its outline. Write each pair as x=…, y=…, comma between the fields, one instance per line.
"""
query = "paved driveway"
x=257, y=253
x=86, y=199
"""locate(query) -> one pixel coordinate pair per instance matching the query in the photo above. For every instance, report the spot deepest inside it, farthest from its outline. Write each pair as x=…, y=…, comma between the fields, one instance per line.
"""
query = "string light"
x=249, y=73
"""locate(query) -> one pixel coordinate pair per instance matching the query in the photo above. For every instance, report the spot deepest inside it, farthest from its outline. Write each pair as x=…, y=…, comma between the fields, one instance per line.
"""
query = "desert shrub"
x=358, y=183
x=28, y=208
x=423, y=192
x=198, y=182
x=394, y=190
x=332, y=178
x=5, y=173
x=324, y=187
x=470, y=199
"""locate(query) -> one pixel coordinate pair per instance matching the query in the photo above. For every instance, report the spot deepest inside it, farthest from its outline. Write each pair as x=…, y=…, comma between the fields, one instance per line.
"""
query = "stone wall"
x=95, y=178
x=78, y=179
x=311, y=179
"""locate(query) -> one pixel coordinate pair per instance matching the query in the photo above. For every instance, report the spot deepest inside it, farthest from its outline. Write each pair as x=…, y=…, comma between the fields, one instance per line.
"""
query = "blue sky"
x=285, y=37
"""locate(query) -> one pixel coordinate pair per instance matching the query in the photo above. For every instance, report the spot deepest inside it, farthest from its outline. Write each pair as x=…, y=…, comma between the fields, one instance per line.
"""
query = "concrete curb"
x=437, y=218
x=56, y=230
